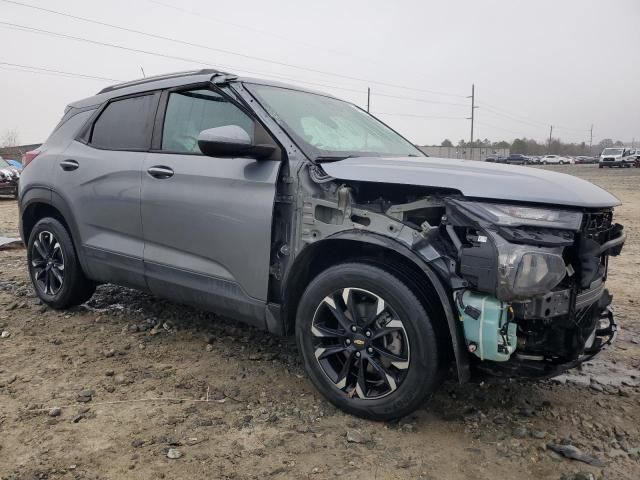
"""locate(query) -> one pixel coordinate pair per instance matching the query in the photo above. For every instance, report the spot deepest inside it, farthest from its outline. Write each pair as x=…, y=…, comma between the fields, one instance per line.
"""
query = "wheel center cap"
x=359, y=341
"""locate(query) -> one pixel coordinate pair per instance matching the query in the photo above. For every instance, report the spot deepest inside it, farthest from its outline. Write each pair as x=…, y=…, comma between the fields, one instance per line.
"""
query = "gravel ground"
x=129, y=386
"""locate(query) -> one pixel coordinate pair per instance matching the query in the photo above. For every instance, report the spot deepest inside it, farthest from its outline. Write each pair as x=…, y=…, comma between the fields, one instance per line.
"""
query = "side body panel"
x=207, y=230
x=104, y=192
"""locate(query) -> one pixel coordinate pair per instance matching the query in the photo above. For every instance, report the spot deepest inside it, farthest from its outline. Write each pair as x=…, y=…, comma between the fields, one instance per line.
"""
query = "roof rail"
x=142, y=81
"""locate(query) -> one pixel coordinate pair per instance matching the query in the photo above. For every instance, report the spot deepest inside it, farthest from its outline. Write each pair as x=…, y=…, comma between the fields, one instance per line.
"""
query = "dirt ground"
x=136, y=378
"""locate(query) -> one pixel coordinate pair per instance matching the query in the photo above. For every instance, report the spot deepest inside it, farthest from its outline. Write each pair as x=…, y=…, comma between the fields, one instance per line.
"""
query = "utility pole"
x=591, y=141
x=143, y=74
x=550, y=133
x=472, y=118
x=368, y=98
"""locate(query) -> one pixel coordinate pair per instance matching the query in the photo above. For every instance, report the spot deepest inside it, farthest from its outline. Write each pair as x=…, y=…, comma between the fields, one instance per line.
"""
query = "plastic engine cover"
x=488, y=333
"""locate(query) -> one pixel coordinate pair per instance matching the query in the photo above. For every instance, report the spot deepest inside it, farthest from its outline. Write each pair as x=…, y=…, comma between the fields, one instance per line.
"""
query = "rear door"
x=99, y=179
x=207, y=221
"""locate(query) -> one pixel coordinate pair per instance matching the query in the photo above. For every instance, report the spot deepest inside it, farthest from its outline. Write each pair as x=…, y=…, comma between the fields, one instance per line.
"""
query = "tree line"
x=529, y=146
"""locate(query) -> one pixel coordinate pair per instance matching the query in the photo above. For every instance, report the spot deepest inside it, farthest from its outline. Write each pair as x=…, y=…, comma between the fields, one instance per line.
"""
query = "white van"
x=616, y=157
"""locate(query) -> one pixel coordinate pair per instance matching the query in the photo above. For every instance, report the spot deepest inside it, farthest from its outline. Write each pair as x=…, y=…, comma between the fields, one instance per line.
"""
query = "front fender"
x=454, y=327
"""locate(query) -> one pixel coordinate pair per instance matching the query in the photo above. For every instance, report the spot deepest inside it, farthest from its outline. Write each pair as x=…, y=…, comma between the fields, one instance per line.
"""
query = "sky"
x=536, y=63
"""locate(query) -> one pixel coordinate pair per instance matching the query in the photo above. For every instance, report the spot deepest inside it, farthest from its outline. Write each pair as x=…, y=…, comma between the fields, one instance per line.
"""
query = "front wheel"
x=367, y=342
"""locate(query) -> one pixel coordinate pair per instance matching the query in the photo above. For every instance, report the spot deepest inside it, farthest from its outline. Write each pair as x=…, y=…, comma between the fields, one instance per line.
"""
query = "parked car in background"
x=555, y=159
x=586, y=160
x=617, y=157
x=495, y=159
x=517, y=159
x=9, y=176
x=301, y=214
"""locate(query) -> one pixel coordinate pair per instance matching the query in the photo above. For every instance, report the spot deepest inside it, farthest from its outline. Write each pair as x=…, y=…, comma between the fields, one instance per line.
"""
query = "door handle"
x=160, y=171
x=69, y=165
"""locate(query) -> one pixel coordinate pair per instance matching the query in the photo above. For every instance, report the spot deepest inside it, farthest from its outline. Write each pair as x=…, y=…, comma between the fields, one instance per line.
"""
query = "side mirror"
x=231, y=141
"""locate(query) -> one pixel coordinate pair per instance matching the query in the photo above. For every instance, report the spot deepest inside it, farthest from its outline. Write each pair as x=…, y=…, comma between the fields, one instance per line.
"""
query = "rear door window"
x=125, y=124
x=190, y=112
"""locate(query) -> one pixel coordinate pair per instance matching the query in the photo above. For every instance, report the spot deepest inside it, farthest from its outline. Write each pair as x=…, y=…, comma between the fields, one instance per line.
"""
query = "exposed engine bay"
x=527, y=281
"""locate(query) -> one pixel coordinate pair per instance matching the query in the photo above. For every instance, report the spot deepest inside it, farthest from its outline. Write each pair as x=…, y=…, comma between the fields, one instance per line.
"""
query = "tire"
x=544, y=162
x=323, y=320
x=600, y=166
x=55, y=271
x=561, y=162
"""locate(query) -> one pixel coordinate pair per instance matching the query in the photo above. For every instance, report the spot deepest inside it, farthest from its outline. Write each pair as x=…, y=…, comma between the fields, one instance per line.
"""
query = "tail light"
x=29, y=156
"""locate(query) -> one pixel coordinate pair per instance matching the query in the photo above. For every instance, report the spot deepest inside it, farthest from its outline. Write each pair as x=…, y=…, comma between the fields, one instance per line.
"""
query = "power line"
x=418, y=116
x=203, y=62
x=220, y=50
x=423, y=100
x=61, y=73
x=484, y=124
x=58, y=72
x=489, y=109
x=526, y=120
x=19, y=27
x=200, y=15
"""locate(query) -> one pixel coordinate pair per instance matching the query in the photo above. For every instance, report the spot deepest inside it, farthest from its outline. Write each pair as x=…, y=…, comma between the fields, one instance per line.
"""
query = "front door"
x=207, y=221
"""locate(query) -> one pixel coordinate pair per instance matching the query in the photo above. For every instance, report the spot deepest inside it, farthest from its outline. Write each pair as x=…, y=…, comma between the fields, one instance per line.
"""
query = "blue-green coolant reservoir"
x=489, y=334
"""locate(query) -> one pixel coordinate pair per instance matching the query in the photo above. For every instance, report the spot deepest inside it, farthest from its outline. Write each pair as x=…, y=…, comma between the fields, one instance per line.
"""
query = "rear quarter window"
x=124, y=124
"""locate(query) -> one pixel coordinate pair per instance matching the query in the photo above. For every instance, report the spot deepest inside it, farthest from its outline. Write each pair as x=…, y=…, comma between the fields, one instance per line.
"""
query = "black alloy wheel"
x=47, y=261
x=54, y=268
x=367, y=342
x=361, y=344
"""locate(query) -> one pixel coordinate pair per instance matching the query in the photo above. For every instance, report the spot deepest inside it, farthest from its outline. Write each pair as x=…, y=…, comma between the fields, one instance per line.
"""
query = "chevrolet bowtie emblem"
x=357, y=341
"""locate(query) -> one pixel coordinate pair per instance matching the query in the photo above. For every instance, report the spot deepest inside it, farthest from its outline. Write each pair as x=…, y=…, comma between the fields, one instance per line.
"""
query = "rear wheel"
x=54, y=267
x=367, y=342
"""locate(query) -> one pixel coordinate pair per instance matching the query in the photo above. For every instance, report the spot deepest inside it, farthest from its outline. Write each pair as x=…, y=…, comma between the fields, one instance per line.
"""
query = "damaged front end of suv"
x=525, y=274
x=536, y=301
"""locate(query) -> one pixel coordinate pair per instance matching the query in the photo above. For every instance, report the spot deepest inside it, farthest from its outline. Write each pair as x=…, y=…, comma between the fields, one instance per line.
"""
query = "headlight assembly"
x=525, y=271
x=515, y=215
x=527, y=265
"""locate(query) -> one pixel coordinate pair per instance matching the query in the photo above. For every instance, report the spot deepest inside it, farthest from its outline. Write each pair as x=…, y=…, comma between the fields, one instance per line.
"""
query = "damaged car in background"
x=9, y=177
x=304, y=215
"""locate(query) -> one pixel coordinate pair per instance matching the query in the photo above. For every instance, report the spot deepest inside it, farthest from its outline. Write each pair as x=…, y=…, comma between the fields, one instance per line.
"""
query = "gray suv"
x=303, y=215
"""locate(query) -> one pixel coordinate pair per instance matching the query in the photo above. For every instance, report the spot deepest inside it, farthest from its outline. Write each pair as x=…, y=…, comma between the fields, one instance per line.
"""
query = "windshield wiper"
x=332, y=158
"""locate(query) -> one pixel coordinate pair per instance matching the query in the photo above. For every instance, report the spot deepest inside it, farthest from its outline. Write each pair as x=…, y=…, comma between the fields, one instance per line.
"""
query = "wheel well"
x=322, y=255
x=37, y=211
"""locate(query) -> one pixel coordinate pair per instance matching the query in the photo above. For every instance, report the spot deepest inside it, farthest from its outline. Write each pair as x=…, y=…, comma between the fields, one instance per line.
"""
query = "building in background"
x=466, y=153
